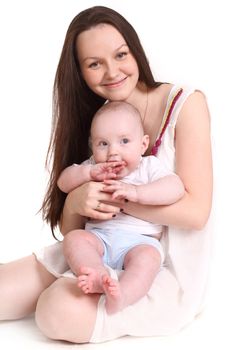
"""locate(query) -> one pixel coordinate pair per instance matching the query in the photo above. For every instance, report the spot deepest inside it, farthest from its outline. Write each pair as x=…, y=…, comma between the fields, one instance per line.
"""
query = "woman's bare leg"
x=64, y=312
x=21, y=283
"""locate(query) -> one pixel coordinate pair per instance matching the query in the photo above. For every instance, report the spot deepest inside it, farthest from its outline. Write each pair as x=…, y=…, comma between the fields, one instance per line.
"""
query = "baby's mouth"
x=114, y=159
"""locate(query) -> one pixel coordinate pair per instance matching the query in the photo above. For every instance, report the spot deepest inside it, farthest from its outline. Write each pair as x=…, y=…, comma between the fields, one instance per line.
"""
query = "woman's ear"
x=145, y=143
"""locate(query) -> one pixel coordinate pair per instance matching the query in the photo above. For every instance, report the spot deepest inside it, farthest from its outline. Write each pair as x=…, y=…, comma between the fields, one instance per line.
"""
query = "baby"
x=124, y=242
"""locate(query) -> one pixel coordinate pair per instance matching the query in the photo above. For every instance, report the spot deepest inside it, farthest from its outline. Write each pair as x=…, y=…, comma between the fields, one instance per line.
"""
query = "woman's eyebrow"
x=96, y=57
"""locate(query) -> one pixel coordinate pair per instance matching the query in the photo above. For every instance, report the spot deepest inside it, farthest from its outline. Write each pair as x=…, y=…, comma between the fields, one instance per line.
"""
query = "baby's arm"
x=164, y=191
x=76, y=175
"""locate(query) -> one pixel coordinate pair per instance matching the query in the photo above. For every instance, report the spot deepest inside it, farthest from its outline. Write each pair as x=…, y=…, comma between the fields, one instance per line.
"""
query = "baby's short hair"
x=118, y=106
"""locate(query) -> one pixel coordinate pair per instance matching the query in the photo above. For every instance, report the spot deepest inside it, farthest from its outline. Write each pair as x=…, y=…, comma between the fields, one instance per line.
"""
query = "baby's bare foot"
x=90, y=280
x=114, y=296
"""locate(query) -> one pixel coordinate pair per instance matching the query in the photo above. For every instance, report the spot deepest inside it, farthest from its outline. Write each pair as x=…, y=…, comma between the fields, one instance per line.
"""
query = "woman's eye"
x=121, y=55
x=94, y=65
x=124, y=140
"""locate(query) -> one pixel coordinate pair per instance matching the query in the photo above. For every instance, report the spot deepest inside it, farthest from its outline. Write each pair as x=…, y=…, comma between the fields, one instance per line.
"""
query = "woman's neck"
x=139, y=99
x=151, y=104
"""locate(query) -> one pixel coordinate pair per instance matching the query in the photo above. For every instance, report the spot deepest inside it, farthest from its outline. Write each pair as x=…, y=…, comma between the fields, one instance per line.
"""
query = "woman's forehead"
x=98, y=38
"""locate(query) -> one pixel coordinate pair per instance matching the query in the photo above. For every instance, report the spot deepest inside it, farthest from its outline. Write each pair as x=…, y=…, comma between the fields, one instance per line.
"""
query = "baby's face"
x=118, y=136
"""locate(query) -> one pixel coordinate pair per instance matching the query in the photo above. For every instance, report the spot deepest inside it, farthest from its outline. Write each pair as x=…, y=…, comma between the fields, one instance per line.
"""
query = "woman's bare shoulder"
x=159, y=96
x=163, y=90
x=194, y=110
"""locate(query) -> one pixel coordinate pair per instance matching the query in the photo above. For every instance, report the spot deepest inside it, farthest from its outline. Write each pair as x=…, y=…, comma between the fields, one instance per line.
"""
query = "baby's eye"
x=103, y=143
x=125, y=140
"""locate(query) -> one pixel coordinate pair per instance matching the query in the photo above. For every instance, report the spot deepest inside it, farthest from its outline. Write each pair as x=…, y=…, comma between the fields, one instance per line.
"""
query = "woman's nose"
x=111, y=70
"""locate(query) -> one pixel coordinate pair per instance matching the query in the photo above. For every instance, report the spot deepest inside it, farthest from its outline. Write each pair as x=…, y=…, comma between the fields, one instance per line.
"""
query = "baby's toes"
x=85, y=289
x=81, y=284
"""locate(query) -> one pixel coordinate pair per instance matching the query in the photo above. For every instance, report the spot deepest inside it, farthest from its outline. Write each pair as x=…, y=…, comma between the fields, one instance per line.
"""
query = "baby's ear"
x=145, y=143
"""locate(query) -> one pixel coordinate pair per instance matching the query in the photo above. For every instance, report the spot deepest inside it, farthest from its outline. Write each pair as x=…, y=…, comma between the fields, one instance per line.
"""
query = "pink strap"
x=165, y=122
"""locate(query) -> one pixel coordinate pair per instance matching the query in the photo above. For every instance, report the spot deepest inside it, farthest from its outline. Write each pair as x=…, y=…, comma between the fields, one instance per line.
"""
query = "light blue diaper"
x=117, y=244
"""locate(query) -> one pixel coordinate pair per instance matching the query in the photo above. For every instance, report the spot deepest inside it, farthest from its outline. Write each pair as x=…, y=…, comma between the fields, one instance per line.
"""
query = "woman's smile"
x=115, y=84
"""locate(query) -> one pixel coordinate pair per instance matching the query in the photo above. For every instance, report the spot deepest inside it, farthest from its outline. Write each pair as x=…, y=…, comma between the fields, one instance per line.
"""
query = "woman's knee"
x=21, y=283
x=64, y=313
x=46, y=313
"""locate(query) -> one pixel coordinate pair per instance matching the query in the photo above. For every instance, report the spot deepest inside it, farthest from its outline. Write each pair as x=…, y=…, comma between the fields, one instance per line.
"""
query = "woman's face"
x=107, y=65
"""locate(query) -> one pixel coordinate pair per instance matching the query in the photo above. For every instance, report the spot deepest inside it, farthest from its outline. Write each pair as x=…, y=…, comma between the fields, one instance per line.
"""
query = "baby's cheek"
x=100, y=157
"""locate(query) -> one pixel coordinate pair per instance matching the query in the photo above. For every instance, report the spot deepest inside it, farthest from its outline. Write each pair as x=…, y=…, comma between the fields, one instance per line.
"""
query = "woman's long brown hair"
x=74, y=104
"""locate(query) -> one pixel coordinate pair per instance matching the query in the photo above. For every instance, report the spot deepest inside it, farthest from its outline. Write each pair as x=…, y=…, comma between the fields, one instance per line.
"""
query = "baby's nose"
x=114, y=158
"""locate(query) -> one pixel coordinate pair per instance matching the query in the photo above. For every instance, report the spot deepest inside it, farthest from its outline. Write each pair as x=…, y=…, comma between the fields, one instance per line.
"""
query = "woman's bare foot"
x=90, y=280
x=114, y=295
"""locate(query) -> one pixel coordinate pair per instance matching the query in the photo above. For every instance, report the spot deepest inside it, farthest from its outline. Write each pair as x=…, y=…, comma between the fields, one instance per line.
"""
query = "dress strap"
x=165, y=121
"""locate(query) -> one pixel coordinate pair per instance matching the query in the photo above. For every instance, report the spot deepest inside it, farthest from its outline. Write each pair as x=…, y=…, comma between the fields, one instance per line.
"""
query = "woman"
x=102, y=59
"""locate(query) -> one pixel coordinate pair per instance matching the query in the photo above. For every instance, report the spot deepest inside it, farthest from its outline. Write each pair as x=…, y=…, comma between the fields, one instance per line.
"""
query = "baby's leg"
x=84, y=252
x=141, y=265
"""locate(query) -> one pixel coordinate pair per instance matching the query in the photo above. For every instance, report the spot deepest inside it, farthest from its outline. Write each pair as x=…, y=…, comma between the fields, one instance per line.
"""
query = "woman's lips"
x=115, y=84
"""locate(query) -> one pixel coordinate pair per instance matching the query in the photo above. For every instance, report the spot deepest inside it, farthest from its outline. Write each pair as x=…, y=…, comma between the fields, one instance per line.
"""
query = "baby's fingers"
x=119, y=194
x=110, y=182
x=110, y=188
x=109, y=176
x=115, y=164
x=118, y=168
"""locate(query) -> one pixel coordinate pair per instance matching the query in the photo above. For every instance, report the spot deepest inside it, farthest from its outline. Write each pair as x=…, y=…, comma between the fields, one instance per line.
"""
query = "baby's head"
x=117, y=134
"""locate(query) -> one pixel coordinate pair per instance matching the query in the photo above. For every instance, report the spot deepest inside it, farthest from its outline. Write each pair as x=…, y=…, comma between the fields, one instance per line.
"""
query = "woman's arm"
x=194, y=167
x=70, y=221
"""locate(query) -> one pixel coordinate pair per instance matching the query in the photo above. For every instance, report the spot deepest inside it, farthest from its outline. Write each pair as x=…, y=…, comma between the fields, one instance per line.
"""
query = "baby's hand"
x=121, y=190
x=108, y=170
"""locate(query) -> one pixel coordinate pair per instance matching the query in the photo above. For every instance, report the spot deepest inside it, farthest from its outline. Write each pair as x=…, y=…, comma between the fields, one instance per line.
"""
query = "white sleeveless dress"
x=177, y=294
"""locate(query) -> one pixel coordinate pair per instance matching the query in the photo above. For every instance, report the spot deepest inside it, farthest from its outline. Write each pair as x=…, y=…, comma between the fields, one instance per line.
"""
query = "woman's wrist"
x=68, y=206
x=70, y=219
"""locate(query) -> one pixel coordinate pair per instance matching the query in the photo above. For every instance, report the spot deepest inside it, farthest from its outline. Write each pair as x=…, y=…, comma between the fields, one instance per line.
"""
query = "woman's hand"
x=90, y=200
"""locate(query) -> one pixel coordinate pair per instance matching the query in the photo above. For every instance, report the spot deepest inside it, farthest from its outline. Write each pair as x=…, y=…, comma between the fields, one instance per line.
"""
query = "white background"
x=187, y=42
